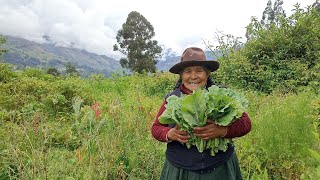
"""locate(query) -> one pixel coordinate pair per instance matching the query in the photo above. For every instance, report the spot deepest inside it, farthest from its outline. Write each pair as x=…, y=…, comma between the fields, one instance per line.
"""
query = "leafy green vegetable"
x=222, y=105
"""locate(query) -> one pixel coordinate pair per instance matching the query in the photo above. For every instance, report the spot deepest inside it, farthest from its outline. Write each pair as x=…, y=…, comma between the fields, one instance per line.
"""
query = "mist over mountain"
x=24, y=53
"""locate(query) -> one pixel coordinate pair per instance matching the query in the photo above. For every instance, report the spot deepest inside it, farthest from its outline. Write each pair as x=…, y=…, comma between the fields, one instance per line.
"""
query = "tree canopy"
x=71, y=69
x=284, y=56
x=273, y=15
x=135, y=41
x=55, y=72
x=2, y=41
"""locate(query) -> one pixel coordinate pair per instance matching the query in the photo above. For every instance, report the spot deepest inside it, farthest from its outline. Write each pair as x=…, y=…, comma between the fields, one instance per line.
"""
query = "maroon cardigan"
x=237, y=129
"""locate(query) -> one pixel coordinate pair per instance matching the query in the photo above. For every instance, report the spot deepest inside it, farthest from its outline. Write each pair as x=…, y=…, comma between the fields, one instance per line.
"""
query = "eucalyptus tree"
x=267, y=15
x=273, y=14
x=135, y=41
x=278, y=12
x=316, y=5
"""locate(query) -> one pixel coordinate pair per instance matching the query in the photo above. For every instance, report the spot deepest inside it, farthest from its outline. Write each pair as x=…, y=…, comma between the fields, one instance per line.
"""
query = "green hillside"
x=24, y=53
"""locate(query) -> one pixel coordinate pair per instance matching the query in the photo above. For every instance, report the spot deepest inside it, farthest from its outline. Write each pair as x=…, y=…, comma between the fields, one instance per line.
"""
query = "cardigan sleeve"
x=159, y=131
x=240, y=127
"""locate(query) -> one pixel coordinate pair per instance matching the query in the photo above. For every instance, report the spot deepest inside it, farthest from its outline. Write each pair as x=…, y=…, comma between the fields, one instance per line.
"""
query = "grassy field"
x=98, y=128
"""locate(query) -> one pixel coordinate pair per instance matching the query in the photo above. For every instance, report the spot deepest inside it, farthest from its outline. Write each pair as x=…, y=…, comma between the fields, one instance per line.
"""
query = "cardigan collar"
x=184, y=90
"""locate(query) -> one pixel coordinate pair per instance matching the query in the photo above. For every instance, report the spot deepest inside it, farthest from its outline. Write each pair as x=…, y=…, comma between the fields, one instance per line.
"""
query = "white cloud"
x=93, y=25
x=20, y=21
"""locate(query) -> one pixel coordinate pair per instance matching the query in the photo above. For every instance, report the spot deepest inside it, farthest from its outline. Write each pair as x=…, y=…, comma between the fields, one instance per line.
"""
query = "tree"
x=135, y=41
x=278, y=12
x=253, y=28
x=284, y=57
x=53, y=71
x=2, y=41
x=71, y=69
x=270, y=16
x=273, y=15
x=316, y=5
x=267, y=15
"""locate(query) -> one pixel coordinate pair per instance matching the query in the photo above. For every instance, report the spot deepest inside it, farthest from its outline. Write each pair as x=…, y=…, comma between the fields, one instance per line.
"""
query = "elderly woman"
x=184, y=163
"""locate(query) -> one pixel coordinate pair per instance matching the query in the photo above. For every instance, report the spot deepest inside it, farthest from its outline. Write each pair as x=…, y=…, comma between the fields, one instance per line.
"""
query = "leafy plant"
x=222, y=105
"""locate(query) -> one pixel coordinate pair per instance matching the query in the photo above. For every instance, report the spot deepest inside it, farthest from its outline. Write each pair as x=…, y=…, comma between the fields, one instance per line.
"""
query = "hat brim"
x=210, y=65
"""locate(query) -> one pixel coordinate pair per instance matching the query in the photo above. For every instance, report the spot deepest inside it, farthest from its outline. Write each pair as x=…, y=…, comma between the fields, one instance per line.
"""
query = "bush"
x=281, y=136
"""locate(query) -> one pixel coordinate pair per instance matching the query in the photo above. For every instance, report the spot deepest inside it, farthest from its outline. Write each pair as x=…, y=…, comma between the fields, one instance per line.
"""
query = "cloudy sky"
x=93, y=24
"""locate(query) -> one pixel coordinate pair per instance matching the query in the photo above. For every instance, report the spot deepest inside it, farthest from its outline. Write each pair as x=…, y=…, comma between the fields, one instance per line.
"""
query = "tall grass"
x=99, y=128
x=281, y=136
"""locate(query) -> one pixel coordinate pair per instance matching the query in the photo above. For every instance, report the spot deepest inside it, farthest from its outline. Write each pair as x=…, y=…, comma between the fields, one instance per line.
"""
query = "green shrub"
x=281, y=136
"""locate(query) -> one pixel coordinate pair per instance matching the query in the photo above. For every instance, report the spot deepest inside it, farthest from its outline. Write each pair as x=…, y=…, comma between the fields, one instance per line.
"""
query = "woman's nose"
x=193, y=75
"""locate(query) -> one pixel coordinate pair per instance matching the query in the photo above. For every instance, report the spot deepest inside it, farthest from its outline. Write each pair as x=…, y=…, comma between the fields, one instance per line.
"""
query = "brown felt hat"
x=194, y=56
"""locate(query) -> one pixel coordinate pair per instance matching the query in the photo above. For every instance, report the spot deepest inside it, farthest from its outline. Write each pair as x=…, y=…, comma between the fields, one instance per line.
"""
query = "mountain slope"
x=24, y=53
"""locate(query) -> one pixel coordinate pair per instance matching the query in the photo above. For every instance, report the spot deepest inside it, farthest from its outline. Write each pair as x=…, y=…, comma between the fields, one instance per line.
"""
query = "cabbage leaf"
x=222, y=105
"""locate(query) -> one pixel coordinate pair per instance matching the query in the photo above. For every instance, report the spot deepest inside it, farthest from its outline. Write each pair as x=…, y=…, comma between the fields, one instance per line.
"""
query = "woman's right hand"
x=175, y=134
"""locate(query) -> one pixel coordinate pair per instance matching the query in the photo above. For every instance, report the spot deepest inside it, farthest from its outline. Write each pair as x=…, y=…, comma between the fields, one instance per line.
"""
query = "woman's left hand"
x=211, y=130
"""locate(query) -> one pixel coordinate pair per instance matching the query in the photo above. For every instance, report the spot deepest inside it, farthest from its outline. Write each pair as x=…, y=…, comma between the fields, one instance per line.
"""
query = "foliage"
x=32, y=90
x=135, y=41
x=316, y=5
x=281, y=136
x=227, y=44
x=6, y=73
x=53, y=71
x=272, y=15
x=2, y=41
x=71, y=70
x=313, y=172
x=268, y=15
x=99, y=128
x=284, y=57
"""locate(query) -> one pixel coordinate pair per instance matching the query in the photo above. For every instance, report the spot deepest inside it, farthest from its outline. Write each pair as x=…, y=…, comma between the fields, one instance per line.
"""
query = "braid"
x=209, y=82
x=178, y=83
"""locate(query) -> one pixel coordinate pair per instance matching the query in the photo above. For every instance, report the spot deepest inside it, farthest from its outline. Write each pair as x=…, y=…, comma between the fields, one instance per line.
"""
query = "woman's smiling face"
x=194, y=77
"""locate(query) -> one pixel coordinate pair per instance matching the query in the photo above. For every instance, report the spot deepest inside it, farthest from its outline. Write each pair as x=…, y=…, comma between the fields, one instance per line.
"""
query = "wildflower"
x=96, y=109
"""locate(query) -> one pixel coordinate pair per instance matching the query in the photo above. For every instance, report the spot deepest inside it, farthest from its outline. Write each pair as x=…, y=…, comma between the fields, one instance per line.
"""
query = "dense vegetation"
x=67, y=127
x=56, y=127
x=285, y=58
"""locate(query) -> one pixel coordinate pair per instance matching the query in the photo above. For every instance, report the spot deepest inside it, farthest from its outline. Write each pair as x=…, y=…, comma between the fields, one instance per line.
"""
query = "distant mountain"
x=24, y=53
